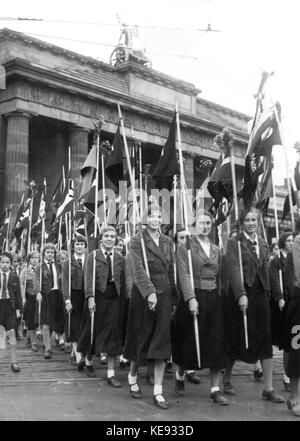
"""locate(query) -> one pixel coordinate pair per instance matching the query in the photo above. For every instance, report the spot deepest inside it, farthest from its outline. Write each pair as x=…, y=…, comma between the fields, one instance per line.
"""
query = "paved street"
x=55, y=390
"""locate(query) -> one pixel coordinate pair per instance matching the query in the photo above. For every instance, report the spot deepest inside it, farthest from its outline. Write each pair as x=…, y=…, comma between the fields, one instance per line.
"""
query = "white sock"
x=61, y=340
x=286, y=378
x=110, y=373
x=88, y=362
x=132, y=381
x=190, y=372
x=214, y=389
x=78, y=356
x=179, y=377
x=157, y=389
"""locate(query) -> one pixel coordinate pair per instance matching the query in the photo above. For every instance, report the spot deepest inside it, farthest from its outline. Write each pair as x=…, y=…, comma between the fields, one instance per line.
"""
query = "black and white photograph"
x=149, y=213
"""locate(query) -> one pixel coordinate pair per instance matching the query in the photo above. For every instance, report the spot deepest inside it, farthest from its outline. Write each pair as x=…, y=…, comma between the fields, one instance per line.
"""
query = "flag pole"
x=174, y=222
x=276, y=224
x=133, y=191
x=133, y=174
x=188, y=238
x=286, y=164
x=8, y=229
x=141, y=180
x=236, y=210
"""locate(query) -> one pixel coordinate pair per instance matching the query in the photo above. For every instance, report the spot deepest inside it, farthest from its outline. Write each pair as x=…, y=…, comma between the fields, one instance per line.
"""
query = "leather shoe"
x=179, y=387
x=34, y=347
x=114, y=382
x=218, y=398
x=15, y=367
x=287, y=386
x=161, y=404
x=90, y=372
x=272, y=396
x=258, y=373
x=296, y=410
x=81, y=365
x=193, y=378
x=228, y=388
x=47, y=355
x=137, y=394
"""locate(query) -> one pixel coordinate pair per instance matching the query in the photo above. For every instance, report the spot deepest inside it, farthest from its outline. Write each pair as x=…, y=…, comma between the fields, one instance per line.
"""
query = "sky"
x=247, y=37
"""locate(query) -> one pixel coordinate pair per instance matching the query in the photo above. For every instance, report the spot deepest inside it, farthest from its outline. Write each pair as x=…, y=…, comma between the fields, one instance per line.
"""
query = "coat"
x=275, y=265
x=252, y=266
x=205, y=269
x=102, y=273
x=161, y=266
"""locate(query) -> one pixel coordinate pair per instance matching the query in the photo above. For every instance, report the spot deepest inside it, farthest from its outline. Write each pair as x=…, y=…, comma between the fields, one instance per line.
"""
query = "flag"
x=4, y=225
x=263, y=136
x=266, y=190
x=295, y=192
x=116, y=167
x=167, y=165
x=68, y=201
x=41, y=210
x=88, y=171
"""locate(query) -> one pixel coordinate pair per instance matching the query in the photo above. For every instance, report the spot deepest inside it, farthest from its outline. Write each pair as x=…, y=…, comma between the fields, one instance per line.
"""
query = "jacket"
x=102, y=273
x=46, y=278
x=205, y=269
x=14, y=290
x=252, y=266
x=77, y=276
x=160, y=262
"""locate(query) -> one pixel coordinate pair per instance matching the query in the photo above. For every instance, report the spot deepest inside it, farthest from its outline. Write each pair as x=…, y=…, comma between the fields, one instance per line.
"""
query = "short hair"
x=176, y=234
x=5, y=254
x=273, y=245
x=108, y=228
x=48, y=246
x=246, y=211
x=201, y=213
x=17, y=257
x=79, y=238
x=283, y=238
x=31, y=254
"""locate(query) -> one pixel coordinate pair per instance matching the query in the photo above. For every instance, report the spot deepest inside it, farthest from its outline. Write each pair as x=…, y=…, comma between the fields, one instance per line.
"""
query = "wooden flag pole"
x=188, y=238
x=236, y=209
x=175, y=223
x=133, y=174
x=141, y=181
x=276, y=226
x=8, y=229
x=133, y=192
x=286, y=165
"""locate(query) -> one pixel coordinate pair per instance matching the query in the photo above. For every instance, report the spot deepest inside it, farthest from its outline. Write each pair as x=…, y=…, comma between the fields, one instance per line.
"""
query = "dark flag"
x=264, y=135
x=68, y=200
x=167, y=166
x=115, y=167
x=266, y=190
x=286, y=207
x=220, y=184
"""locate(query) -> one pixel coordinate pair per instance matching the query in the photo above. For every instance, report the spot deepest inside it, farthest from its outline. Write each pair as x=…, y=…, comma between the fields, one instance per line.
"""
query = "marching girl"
x=10, y=306
x=148, y=338
x=47, y=288
x=74, y=299
x=251, y=296
x=27, y=279
x=205, y=302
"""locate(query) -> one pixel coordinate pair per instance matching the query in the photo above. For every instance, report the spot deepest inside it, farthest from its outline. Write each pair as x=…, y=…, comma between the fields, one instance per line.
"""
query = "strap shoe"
x=114, y=382
x=272, y=396
x=161, y=404
x=218, y=398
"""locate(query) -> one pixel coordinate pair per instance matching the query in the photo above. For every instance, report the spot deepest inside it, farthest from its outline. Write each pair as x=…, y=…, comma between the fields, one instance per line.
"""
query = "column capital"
x=18, y=114
x=75, y=128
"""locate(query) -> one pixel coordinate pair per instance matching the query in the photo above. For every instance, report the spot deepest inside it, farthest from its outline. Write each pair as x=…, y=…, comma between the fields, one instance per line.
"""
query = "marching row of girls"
x=87, y=299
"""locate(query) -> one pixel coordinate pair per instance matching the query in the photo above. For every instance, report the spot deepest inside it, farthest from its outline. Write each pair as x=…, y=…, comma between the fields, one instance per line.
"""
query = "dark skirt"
x=293, y=335
x=77, y=300
x=107, y=324
x=278, y=324
x=29, y=312
x=148, y=333
x=258, y=322
x=211, y=333
x=7, y=315
x=52, y=311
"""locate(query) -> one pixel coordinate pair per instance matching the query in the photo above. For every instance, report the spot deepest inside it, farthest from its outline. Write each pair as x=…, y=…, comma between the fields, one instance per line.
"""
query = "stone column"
x=2, y=160
x=78, y=141
x=188, y=164
x=16, y=161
